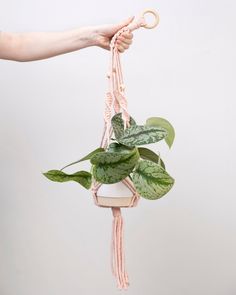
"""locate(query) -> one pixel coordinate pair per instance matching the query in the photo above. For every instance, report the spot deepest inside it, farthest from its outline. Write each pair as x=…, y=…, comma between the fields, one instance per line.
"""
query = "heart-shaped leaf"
x=112, y=157
x=151, y=180
x=161, y=122
x=118, y=124
x=89, y=156
x=139, y=135
x=147, y=154
x=112, y=167
x=82, y=177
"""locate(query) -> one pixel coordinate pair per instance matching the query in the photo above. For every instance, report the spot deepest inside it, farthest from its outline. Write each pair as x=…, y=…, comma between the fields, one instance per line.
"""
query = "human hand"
x=104, y=34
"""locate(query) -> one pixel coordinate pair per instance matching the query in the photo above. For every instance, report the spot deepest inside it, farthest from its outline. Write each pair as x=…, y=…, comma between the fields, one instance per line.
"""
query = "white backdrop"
x=53, y=239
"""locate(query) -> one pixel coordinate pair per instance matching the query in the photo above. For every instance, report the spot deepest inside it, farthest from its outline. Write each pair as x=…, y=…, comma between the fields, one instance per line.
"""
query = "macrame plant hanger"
x=116, y=101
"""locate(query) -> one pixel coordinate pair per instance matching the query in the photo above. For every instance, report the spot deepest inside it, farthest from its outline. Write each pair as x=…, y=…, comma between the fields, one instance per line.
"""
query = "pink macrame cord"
x=115, y=98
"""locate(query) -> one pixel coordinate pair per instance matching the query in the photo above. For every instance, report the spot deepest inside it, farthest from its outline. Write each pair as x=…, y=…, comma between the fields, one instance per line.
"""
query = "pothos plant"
x=124, y=157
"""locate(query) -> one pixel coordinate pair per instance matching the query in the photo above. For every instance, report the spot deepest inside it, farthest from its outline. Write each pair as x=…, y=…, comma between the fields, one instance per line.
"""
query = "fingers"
x=126, y=36
x=124, y=41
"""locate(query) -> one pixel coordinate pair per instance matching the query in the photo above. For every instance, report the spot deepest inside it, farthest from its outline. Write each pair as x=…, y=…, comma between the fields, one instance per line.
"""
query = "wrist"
x=89, y=36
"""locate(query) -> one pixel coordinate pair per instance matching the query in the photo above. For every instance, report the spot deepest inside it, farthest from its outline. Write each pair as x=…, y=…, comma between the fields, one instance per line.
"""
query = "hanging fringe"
x=118, y=256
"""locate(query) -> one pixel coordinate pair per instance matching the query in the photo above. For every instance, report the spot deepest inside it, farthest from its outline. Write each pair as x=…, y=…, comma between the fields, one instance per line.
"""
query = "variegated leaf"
x=119, y=148
x=112, y=157
x=118, y=124
x=82, y=177
x=139, y=135
x=112, y=167
x=147, y=154
x=151, y=180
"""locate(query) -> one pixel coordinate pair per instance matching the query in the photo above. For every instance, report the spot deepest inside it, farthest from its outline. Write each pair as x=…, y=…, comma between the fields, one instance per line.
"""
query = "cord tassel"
x=118, y=256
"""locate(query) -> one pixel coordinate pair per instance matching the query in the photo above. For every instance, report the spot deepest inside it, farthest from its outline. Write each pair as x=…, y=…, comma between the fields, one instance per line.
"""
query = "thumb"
x=124, y=23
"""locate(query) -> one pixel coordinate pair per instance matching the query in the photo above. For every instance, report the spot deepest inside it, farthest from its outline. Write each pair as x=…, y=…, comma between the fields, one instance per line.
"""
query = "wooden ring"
x=156, y=22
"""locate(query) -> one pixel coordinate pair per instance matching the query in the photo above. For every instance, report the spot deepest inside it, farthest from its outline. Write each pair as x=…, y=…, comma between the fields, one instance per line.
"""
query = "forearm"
x=41, y=45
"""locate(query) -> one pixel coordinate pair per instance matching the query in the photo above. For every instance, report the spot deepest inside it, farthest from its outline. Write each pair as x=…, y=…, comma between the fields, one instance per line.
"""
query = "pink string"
x=116, y=97
x=118, y=255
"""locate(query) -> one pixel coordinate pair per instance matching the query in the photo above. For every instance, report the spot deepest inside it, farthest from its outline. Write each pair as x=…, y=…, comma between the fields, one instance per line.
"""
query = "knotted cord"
x=115, y=98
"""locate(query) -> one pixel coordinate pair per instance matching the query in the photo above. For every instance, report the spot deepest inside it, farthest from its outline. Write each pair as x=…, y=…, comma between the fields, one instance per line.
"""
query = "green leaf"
x=118, y=124
x=111, y=157
x=151, y=180
x=147, y=154
x=139, y=135
x=119, y=148
x=82, y=177
x=161, y=122
x=98, y=150
x=112, y=167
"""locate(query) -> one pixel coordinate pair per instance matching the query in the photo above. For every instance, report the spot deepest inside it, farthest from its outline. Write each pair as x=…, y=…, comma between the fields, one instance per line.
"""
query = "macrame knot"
x=108, y=105
x=116, y=212
x=122, y=87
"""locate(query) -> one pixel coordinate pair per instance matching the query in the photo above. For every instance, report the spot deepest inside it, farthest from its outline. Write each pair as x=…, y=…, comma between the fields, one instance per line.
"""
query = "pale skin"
x=30, y=46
